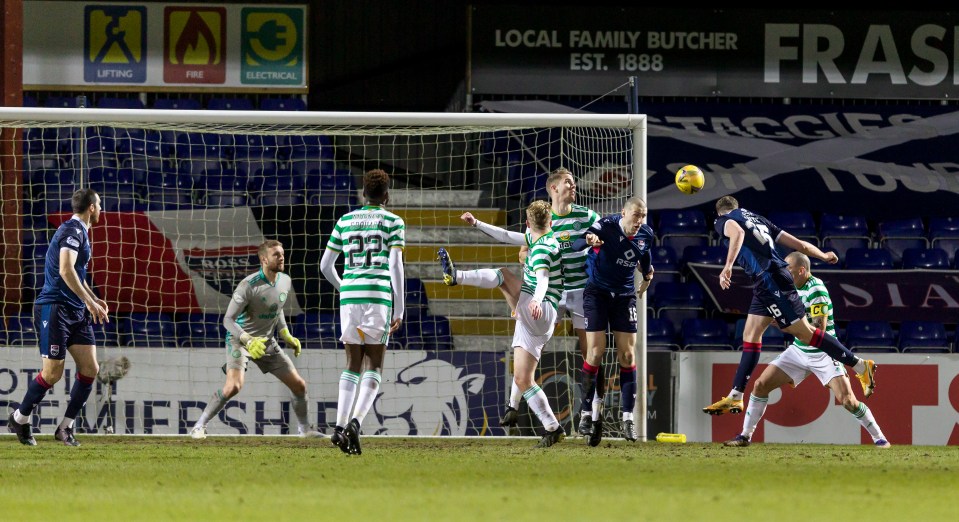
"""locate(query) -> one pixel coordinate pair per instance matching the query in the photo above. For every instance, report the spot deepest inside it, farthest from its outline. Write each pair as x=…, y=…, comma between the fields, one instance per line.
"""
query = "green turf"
x=280, y=478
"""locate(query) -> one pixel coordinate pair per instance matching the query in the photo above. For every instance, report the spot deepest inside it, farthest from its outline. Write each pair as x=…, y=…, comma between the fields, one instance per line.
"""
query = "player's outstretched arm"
x=398, y=280
x=805, y=247
x=495, y=232
x=328, y=267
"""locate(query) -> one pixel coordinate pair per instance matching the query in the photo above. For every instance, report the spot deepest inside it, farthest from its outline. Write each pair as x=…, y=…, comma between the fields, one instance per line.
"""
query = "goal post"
x=189, y=194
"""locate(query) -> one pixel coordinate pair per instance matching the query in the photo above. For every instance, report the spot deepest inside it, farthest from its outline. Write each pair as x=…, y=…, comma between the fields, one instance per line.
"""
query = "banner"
x=166, y=389
x=857, y=295
x=169, y=46
x=567, y=50
x=916, y=402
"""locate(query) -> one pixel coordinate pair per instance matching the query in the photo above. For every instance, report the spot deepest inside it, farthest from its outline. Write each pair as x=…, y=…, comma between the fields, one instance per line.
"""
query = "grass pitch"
x=282, y=478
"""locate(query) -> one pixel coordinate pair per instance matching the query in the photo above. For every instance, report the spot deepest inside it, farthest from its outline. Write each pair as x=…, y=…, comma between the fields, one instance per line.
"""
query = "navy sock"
x=747, y=363
x=627, y=388
x=590, y=374
x=833, y=348
x=35, y=392
x=78, y=395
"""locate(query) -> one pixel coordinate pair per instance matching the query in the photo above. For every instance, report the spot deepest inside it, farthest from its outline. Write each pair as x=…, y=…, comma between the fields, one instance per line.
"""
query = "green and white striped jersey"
x=365, y=237
x=815, y=297
x=566, y=230
x=544, y=252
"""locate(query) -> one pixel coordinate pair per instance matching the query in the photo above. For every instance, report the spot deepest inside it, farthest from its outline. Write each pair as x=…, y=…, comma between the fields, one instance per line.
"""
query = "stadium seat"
x=680, y=242
x=283, y=199
x=111, y=102
x=282, y=104
x=198, y=146
x=713, y=255
x=841, y=244
x=870, y=336
x=842, y=225
x=309, y=146
x=60, y=102
x=200, y=331
x=923, y=336
x=868, y=259
x=317, y=330
x=660, y=335
x=435, y=334
x=230, y=104
x=949, y=244
x=148, y=329
x=928, y=258
x=678, y=301
x=909, y=227
x=799, y=223
x=683, y=221
x=896, y=246
x=705, y=334
x=225, y=199
x=177, y=104
x=417, y=302
x=310, y=170
x=20, y=331
x=773, y=338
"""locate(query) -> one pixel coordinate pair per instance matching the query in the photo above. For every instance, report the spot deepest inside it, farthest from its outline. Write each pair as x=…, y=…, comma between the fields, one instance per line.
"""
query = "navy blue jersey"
x=611, y=266
x=758, y=253
x=72, y=234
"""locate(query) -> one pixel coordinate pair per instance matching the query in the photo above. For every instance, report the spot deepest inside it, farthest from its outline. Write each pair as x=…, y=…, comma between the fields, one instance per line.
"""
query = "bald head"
x=799, y=267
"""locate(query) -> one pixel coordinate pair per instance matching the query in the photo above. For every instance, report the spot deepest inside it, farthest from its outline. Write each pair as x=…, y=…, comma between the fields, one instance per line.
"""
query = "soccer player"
x=535, y=302
x=63, y=315
x=800, y=360
x=621, y=245
x=254, y=314
x=372, y=300
x=752, y=244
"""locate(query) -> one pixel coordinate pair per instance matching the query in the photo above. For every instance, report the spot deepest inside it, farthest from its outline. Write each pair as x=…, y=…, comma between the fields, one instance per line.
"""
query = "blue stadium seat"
x=841, y=244
x=282, y=104
x=868, y=259
x=121, y=203
x=217, y=179
x=949, y=244
x=317, y=330
x=660, y=335
x=799, y=223
x=200, y=331
x=705, y=334
x=29, y=101
x=225, y=200
x=257, y=147
x=773, y=338
x=177, y=104
x=678, y=301
x=713, y=255
x=923, y=336
x=897, y=245
x=909, y=227
x=284, y=199
x=870, y=336
x=417, y=301
x=208, y=146
x=435, y=334
x=60, y=102
x=20, y=331
x=684, y=221
x=843, y=225
x=111, y=102
x=309, y=147
x=311, y=170
x=928, y=258
x=148, y=329
x=680, y=242
x=230, y=104
x=664, y=259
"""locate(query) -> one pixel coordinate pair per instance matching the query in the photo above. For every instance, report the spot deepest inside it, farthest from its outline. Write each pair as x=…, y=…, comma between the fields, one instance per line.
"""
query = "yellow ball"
x=689, y=179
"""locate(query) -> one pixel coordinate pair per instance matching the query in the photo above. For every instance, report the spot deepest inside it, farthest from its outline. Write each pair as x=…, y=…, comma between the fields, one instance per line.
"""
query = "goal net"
x=188, y=196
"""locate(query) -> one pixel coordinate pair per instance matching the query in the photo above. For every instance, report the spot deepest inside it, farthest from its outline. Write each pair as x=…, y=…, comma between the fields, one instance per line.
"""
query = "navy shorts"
x=60, y=327
x=775, y=296
x=603, y=308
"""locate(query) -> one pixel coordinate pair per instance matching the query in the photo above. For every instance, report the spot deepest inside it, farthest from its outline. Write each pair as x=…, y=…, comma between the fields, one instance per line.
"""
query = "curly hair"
x=539, y=213
x=376, y=185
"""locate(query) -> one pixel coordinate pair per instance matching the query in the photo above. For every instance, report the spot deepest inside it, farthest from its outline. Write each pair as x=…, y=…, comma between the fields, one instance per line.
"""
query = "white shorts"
x=367, y=323
x=798, y=364
x=572, y=302
x=530, y=334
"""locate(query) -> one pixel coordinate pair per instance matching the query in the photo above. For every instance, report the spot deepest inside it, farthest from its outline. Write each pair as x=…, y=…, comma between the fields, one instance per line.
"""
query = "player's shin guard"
x=747, y=363
x=588, y=382
x=344, y=403
x=864, y=415
x=79, y=393
x=483, y=278
x=35, y=392
x=627, y=389
x=754, y=413
x=540, y=405
x=833, y=348
x=369, y=388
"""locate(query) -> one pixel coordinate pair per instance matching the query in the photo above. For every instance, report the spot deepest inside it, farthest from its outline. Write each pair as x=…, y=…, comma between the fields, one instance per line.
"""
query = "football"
x=689, y=179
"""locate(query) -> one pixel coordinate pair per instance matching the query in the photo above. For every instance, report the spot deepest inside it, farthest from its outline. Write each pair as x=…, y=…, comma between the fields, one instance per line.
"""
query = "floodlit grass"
x=281, y=478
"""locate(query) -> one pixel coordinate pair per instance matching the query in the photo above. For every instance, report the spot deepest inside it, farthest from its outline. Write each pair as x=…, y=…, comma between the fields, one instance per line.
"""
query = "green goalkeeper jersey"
x=815, y=298
x=365, y=237
x=544, y=253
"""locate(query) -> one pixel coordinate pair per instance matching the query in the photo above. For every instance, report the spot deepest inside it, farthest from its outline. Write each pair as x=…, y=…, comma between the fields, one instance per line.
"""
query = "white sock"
x=67, y=422
x=537, y=402
x=483, y=278
x=217, y=402
x=597, y=406
x=299, y=409
x=514, y=396
x=860, y=366
x=344, y=402
x=369, y=388
x=754, y=413
x=864, y=415
x=735, y=395
x=627, y=416
x=19, y=417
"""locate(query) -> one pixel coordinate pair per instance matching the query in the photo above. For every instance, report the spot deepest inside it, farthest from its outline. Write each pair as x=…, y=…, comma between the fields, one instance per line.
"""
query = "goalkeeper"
x=255, y=312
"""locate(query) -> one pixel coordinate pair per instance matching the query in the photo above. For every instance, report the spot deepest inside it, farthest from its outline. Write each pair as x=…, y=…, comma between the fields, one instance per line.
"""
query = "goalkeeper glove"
x=255, y=346
x=291, y=341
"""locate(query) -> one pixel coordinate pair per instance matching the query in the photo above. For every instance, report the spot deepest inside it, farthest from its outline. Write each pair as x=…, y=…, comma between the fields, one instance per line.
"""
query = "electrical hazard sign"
x=115, y=44
x=271, y=40
x=194, y=45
